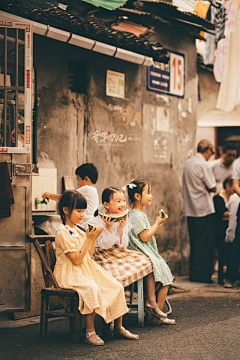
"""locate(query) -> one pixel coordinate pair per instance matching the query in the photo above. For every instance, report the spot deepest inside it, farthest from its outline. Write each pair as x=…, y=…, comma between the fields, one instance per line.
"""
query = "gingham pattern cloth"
x=127, y=266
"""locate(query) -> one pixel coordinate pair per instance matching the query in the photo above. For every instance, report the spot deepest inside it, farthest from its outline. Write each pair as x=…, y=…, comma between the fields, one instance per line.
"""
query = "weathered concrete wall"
x=119, y=132
x=209, y=89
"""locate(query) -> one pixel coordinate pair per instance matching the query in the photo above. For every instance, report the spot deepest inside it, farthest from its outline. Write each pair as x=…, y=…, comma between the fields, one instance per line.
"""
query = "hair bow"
x=131, y=185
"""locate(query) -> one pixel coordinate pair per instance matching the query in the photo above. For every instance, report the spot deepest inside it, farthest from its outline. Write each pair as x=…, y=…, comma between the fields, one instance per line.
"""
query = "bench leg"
x=43, y=317
x=140, y=303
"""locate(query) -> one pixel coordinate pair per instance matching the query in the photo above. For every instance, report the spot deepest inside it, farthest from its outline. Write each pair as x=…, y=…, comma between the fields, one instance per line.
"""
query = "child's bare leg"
x=90, y=322
x=91, y=337
x=150, y=285
x=151, y=297
x=118, y=323
x=161, y=296
x=120, y=331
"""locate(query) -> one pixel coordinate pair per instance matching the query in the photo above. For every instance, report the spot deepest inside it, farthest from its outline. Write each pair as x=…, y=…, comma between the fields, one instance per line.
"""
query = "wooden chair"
x=44, y=248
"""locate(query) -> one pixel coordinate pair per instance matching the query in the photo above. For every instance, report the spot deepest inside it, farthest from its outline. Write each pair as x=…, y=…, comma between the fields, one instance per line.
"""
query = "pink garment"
x=222, y=45
x=229, y=92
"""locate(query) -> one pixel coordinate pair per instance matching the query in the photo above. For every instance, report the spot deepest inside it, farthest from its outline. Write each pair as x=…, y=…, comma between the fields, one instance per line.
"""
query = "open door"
x=15, y=150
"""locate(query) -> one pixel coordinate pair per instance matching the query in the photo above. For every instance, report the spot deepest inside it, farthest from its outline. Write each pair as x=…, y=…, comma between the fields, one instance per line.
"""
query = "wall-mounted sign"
x=167, y=78
x=115, y=84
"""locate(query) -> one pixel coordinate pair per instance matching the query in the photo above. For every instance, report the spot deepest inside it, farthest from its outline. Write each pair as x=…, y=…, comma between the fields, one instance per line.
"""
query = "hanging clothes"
x=210, y=45
x=201, y=10
x=217, y=15
x=229, y=92
x=220, y=20
x=107, y=4
x=221, y=52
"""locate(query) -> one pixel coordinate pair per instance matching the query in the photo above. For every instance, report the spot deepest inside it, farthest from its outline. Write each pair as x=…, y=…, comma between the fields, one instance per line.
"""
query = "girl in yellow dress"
x=99, y=293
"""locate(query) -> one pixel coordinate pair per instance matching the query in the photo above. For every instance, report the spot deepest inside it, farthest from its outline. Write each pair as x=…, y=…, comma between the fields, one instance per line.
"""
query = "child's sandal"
x=93, y=340
x=163, y=321
x=155, y=312
x=125, y=334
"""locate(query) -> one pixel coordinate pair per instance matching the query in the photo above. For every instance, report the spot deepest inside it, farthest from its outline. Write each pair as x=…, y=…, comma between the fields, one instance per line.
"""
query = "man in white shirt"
x=87, y=176
x=234, y=254
x=198, y=182
x=234, y=202
x=223, y=167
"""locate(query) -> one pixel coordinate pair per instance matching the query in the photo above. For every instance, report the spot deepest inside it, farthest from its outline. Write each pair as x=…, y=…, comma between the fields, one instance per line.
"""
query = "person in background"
x=198, y=183
x=221, y=205
x=223, y=167
x=231, y=235
x=87, y=176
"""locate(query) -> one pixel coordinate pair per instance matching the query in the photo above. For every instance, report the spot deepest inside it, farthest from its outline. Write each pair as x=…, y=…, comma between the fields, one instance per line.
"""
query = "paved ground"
x=208, y=327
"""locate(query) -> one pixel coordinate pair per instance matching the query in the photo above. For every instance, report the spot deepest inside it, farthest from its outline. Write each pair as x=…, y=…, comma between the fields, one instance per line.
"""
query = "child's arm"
x=88, y=246
x=145, y=235
x=50, y=196
x=108, y=238
x=122, y=223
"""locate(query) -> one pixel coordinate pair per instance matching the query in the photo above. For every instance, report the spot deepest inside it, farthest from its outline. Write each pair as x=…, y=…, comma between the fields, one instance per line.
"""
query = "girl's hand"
x=160, y=220
x=123, y=222
x=108, y=221
x=94, y=233
x=46, y=195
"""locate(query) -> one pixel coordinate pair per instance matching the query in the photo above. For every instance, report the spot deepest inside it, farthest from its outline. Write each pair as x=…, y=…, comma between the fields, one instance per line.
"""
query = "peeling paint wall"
x=209, y=89
x=118, y=135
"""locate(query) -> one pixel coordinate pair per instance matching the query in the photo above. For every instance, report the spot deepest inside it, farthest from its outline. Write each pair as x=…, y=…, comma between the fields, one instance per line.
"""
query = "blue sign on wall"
x=167, y=78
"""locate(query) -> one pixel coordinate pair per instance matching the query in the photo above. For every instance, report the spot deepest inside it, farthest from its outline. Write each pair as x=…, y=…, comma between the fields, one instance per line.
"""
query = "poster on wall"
x=156, y=134
x=168, y=78
x=115, y=84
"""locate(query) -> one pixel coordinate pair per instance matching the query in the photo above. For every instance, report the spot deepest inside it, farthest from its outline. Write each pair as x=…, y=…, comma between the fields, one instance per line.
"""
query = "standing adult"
x=234, y=254
x=223, y=167
x=198, y=182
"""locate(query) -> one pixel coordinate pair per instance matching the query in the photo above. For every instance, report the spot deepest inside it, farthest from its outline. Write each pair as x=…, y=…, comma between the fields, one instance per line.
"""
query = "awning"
x=219, y=118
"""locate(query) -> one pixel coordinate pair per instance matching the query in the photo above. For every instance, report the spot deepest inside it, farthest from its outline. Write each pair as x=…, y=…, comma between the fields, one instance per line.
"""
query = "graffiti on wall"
x=106, y=137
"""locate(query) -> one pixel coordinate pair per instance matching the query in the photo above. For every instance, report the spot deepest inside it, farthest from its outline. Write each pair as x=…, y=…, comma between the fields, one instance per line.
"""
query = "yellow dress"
x=98, y=291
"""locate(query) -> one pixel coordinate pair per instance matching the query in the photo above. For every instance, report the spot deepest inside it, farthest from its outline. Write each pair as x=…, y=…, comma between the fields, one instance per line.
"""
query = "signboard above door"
x=168, y=78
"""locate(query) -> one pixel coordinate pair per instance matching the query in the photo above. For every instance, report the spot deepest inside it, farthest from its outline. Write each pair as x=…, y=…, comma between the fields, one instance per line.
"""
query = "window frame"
x=27, y=88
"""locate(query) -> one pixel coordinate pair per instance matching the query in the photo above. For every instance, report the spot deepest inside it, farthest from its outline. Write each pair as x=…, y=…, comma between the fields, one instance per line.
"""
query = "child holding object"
x=99, y=293
x=87, y=175
x=111, y=251
x=141, y=238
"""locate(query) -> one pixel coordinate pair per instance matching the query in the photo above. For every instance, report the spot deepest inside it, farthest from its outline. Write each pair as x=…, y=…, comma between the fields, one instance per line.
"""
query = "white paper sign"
x=115, y=84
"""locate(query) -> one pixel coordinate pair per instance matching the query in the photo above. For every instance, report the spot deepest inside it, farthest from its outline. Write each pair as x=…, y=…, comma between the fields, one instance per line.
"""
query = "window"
x=15, y=87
